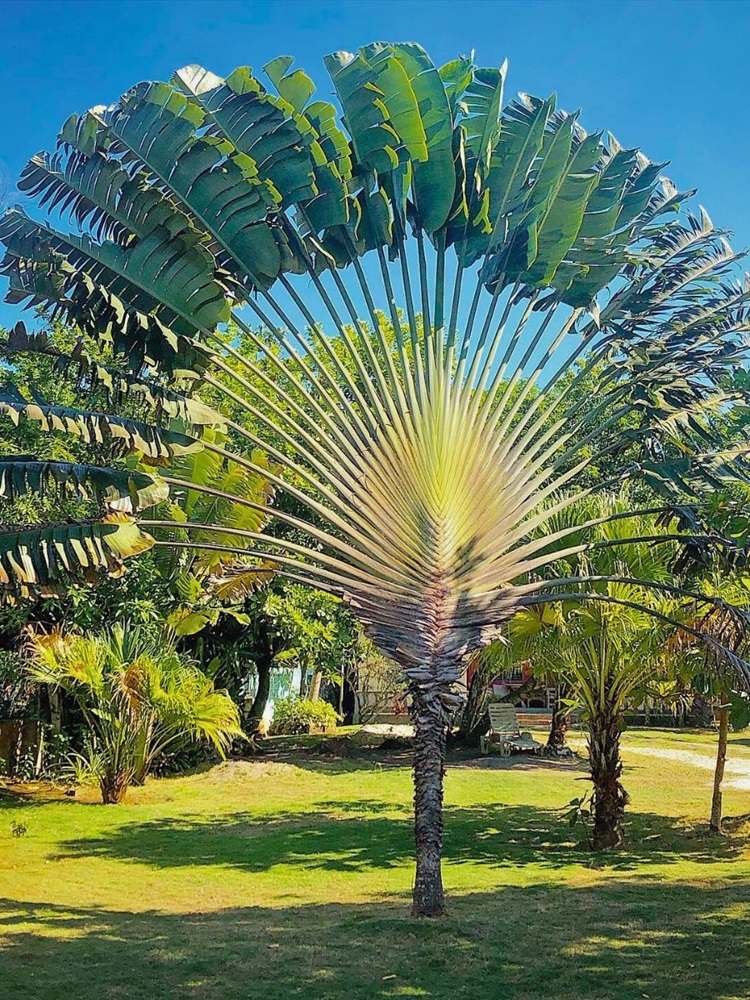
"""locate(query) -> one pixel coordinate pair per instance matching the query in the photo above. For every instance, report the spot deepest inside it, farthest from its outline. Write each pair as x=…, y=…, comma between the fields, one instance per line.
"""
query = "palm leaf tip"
x=43, y=559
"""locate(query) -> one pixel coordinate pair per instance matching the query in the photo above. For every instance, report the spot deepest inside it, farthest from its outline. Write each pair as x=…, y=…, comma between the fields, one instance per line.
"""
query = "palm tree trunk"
x=721, y=757
x=113, y=785
x=430, y=725
x=558, y=724
x=610, y=798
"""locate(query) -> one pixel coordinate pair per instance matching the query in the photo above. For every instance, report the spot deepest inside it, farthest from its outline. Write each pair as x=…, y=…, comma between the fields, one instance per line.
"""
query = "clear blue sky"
x=671, y=77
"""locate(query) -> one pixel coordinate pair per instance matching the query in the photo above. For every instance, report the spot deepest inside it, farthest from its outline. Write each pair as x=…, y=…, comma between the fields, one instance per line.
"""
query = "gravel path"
x=736, y=772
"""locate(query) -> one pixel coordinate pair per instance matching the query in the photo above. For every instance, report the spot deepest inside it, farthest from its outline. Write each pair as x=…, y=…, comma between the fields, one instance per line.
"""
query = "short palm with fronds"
x=615, y=641
x=501, y=287
x=139, y=697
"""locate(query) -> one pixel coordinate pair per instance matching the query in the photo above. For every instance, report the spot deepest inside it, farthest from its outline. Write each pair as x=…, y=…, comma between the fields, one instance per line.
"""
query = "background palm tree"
x=138, y=696
x=538, y=285
x=605, y=654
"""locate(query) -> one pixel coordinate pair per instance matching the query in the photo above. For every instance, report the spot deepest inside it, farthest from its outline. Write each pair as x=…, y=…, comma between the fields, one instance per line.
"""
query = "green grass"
x=292, y=880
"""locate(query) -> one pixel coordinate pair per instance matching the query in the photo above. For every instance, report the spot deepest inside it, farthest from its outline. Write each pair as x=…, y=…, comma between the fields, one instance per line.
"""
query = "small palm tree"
x=624, y=640
x=538, y=284
x=138, y=696
x=604, y=654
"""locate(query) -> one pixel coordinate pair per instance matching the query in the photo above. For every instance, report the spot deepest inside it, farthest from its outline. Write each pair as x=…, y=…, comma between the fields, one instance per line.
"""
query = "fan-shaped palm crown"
x=453, y=245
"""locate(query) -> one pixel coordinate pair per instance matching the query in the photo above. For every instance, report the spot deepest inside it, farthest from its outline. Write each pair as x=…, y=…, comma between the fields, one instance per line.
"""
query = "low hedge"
x=292, y=716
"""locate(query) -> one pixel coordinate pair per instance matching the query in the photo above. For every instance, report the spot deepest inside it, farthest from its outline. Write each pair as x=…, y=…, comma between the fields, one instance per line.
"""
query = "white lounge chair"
x=505, y=733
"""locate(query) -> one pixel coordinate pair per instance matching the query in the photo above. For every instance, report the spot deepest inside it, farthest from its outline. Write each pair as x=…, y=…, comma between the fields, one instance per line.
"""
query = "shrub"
x=292, y=716
x=140, y=699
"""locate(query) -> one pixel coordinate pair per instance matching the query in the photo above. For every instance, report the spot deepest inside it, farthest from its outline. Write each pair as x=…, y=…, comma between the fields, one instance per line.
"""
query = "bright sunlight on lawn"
x=291, y=880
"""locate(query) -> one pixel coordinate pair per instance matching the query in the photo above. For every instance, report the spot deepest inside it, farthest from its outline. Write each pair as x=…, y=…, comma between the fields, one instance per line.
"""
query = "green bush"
x=139, y=697
x=292, y=716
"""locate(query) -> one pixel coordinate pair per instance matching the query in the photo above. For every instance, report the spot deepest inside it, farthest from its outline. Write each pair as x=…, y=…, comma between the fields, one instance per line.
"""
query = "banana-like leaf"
x=434, y=178
x=21, y=475
x=159, y=446
x=40, y=559
x=164, y=401
x=380, y=107
x=244, y=582
x=159, y=273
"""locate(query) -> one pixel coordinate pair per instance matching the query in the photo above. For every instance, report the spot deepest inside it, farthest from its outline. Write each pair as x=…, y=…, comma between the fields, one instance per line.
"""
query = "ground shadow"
x=342, y=757
x=369, y=834
x=32, y=793
x=619, y=940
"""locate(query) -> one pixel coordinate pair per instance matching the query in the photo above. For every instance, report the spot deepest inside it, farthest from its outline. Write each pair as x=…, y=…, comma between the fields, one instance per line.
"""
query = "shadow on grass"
x=33, y=793
x=369, y=835
x=340, y=757
x=616, y=941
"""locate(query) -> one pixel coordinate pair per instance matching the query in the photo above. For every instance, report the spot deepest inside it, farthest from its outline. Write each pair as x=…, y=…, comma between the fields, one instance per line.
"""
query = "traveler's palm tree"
x=503, y=244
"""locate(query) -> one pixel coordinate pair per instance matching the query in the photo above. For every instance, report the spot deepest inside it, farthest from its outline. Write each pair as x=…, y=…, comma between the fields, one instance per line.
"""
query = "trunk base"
x=610, y=798
x=113, y=788
x=428, y=905
x=721, y=757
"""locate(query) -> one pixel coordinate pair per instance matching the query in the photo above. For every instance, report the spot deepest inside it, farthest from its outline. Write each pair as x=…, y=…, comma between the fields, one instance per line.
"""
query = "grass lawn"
x=292, y=880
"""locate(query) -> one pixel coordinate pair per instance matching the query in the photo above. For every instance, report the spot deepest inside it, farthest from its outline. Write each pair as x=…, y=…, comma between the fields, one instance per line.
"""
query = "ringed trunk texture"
x=610, y=798
x=113, y=786
x=430, y=724
x=721, y=758
x=558, y=725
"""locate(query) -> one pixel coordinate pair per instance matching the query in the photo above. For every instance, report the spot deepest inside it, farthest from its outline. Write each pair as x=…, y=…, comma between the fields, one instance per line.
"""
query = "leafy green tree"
x=515, y=246
x=138, y=696
x=315, y=634
x=696, y=668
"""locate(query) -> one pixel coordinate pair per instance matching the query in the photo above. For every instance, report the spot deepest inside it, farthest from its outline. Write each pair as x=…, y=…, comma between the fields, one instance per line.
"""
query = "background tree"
x=138, y=696
x=696, y=669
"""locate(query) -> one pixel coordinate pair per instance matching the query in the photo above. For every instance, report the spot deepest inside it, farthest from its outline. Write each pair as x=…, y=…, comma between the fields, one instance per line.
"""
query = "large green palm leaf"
x=465, y=255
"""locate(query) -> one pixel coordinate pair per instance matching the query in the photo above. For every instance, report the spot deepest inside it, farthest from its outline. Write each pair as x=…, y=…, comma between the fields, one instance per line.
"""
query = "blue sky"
x=670, y=77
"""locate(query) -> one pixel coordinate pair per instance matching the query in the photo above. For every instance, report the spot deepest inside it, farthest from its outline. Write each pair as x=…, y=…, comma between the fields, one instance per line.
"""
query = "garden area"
x=374, y=540
x=292, y=874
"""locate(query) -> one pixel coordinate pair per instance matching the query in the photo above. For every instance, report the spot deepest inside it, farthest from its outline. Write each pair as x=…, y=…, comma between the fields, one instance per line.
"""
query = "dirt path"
x=737, y=772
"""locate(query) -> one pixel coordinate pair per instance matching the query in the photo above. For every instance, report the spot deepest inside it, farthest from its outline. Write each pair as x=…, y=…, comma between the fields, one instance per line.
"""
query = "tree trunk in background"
x=472, y=720
x=315, y=683
x=610, y=798
x=263, y=665
x=113, y=786
x=55, y=708
x=349, y=698
x=558, y=724
x=721, y=757
x=430, y=725
x=258, y=707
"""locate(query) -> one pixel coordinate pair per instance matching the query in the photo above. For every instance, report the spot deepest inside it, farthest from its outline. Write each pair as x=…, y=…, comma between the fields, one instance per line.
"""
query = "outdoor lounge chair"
x=504, y=732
